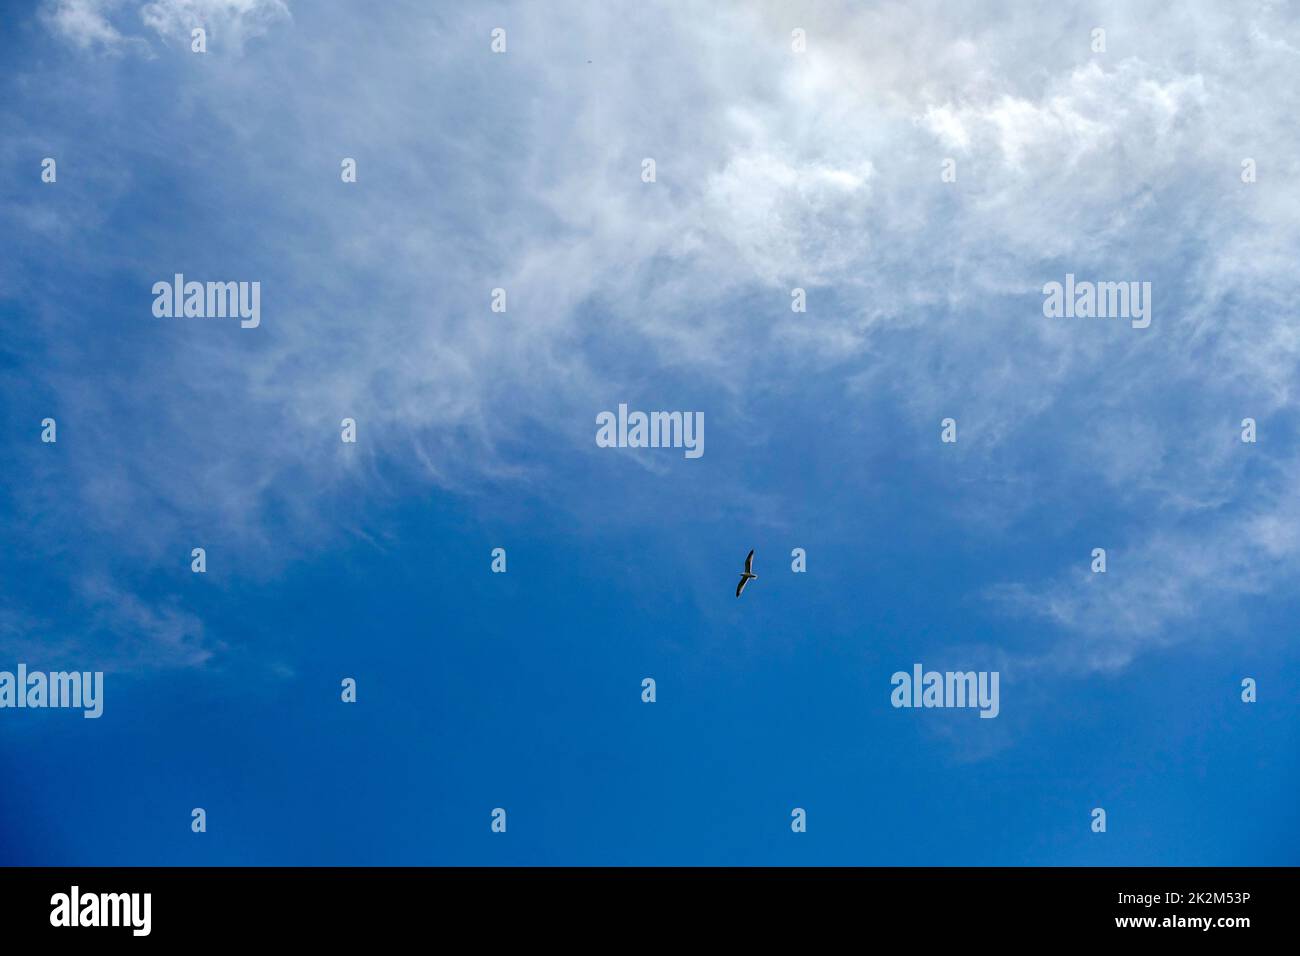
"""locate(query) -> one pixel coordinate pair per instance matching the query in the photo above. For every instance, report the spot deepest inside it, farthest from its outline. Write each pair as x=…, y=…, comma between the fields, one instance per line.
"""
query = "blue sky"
x=476, y=430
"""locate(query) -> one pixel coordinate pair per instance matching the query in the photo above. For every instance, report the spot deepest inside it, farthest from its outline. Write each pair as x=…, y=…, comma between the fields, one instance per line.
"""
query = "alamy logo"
x=923, y=688
x=103, y=909
x=655, y=430
x=1099, y=300
x=56, y=689
x=209, y=300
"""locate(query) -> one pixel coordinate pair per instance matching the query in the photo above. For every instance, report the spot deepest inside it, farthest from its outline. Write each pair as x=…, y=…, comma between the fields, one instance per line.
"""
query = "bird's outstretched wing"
x=749, y=562
x=741, y=586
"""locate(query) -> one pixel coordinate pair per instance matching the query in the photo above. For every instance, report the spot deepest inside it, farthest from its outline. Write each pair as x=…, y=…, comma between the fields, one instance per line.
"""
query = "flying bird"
x=746, y=574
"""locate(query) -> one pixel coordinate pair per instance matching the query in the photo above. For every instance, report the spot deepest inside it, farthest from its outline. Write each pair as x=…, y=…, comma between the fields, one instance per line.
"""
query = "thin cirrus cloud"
x=819, y=171
x=115, y=26
x=84, y=23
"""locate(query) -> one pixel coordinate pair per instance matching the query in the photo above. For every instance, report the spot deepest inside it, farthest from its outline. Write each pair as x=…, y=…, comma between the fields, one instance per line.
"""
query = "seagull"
x=746, y=574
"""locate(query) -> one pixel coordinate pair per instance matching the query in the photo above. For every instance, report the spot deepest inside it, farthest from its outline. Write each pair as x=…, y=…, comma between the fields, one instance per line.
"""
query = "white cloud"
x=98, y=24
x=118, y=631
x=232, y=22
x=84, y=23
x=144, y=635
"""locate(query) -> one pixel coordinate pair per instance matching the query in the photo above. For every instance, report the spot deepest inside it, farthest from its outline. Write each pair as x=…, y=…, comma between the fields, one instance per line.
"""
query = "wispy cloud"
x=118, y=631
x=232, y=22
x=85, y=24
x=113, y=26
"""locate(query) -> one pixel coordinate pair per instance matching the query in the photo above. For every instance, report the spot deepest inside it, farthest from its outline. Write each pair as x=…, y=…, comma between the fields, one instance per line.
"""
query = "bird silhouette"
x=746, y=574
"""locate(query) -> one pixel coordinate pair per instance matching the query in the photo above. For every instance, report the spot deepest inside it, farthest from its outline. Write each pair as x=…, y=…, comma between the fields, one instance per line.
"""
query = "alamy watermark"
x=81, y=689
x=923, y=688
x=652, y=430
x=75, y=908
x=1098, y=300
x=209, y=300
